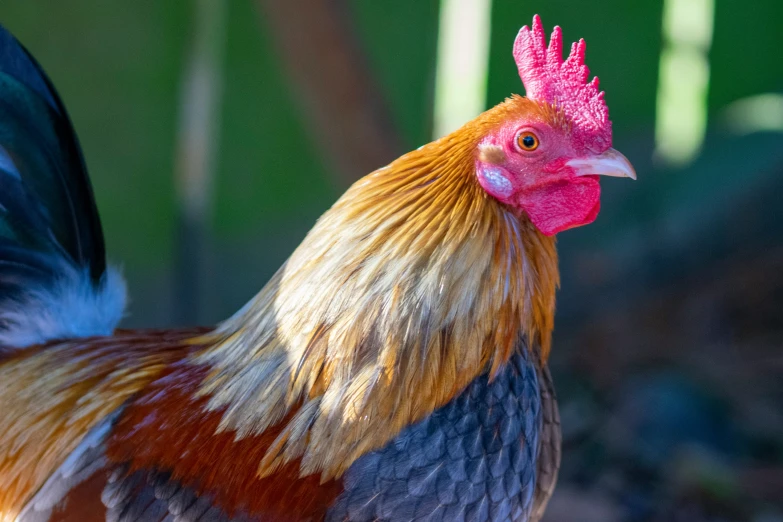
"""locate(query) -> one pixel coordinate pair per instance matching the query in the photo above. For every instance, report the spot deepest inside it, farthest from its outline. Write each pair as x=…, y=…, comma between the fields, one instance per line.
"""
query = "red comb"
x=547, y=78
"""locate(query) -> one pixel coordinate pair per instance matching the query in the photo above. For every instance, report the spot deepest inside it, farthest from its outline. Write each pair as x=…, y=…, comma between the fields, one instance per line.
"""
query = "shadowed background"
x=217, y=132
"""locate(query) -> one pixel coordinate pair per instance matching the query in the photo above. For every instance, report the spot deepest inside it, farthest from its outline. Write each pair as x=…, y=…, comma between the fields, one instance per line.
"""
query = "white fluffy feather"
x=72, y=307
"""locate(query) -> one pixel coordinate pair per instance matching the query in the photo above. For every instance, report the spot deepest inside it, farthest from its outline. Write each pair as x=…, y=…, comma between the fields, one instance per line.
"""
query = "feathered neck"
x=413, y=284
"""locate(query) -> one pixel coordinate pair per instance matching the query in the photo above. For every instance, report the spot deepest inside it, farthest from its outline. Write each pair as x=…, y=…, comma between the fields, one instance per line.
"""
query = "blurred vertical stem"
x=343, y=107
x=197, y=147
x=683, y=80
x=463, y=61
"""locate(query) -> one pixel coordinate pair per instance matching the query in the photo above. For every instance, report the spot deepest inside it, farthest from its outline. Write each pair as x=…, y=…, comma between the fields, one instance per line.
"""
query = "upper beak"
x=608, y=163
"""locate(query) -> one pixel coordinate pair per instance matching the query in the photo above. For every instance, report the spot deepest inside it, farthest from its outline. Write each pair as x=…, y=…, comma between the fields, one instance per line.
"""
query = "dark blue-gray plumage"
x=473, y=460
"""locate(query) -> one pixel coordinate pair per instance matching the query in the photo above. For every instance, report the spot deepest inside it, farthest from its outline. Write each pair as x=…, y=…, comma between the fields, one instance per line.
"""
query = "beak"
x=609, y=163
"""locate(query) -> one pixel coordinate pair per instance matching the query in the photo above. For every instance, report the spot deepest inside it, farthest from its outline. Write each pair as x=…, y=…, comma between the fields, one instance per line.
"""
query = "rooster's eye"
x=527, y=141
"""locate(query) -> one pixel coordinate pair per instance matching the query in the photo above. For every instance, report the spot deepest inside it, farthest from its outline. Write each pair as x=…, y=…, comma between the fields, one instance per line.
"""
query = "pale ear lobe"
x=495, y=181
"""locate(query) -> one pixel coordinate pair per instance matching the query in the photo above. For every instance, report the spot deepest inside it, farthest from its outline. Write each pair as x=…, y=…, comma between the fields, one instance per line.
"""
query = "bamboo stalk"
x=343, y=107
x=197, y=149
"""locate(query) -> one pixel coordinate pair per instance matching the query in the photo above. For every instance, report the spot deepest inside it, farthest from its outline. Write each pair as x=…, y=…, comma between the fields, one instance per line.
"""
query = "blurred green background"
x=668, y=342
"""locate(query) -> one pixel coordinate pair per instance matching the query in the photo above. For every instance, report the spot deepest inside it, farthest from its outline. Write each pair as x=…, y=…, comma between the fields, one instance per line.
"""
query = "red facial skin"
x=538, y=183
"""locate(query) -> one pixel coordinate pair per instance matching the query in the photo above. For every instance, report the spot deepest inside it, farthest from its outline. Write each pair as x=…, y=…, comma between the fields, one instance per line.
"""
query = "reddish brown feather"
x=54, y=394
x=168, y=428
x=83, y=503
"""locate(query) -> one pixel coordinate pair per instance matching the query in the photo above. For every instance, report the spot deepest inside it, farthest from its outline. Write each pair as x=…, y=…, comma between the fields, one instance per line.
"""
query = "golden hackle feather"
x=409, y=287
x=54, y=395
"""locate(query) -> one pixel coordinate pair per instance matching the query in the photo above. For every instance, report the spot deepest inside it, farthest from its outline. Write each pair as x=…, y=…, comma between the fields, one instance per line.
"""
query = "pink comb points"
x=548, y=78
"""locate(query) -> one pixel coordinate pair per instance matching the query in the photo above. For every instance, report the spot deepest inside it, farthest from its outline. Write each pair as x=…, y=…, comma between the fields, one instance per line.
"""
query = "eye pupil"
x=527, y=141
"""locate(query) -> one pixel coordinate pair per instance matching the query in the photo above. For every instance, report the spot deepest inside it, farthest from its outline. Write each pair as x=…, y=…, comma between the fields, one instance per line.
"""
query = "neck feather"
x=413, y=284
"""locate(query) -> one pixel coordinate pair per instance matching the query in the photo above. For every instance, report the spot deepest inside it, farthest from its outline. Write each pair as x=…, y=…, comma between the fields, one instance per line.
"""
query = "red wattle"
x=564, y=204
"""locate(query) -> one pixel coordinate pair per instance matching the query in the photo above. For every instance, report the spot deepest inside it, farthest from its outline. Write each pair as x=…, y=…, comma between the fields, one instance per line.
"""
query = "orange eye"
x=527, y=141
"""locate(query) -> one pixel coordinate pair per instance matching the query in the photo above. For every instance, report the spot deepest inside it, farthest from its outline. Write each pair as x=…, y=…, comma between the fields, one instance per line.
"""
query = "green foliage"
x=401, y=43
x=745, y=58
x=269, y=170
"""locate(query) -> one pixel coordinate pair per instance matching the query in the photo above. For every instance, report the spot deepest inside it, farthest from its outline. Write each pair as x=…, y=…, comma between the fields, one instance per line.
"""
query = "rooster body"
x=393, y=369
x=126, y=462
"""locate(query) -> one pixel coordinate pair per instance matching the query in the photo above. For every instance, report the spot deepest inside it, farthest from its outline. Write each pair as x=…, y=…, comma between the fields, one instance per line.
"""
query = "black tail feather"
x=49, y=224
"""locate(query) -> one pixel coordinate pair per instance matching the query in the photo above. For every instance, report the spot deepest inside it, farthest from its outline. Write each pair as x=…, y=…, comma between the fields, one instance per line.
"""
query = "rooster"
x=393, y=369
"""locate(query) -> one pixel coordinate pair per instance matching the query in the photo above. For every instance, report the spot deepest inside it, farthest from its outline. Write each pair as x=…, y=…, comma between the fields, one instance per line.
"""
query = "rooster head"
x=545, y=160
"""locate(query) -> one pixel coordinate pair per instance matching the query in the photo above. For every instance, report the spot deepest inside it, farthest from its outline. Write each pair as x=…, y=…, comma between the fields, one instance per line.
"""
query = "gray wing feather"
x=154, y=496
x=140, y=496
x=549, y=448
x=81, y=464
